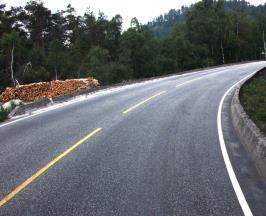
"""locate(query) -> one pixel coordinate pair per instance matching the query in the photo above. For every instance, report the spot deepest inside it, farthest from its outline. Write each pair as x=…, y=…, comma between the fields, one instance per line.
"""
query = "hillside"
x=163, y=24
x=39, y=45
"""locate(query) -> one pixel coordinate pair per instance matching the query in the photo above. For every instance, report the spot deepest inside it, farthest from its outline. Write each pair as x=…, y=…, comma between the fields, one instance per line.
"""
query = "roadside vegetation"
x=3, y=114
x=37, y=44
x=7, y=108
x=253, y=99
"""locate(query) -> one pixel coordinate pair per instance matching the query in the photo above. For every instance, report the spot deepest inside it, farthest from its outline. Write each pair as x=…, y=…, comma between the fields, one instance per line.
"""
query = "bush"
x=253, y=99
x=3, y=114
x=37, y=75
x=113, y=73
x=97, y=64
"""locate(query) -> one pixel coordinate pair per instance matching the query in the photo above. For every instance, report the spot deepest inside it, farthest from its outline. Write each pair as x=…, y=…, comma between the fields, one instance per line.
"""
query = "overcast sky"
x=144, y=10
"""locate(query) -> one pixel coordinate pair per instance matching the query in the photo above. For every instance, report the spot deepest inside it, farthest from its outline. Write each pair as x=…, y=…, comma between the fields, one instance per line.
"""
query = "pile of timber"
x=38, y=91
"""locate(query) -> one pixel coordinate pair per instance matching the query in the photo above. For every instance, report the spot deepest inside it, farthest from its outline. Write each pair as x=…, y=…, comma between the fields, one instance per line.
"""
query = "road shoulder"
x=248, y=133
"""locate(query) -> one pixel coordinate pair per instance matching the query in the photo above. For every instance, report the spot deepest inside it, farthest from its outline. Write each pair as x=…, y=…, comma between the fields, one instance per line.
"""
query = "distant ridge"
x=164, y=23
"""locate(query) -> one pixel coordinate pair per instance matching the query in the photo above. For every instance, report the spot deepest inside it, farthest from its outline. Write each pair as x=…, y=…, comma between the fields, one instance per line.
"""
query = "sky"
x=144, y=10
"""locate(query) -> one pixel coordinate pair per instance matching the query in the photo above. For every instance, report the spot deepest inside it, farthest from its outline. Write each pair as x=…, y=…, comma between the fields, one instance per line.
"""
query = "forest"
x=39, y=45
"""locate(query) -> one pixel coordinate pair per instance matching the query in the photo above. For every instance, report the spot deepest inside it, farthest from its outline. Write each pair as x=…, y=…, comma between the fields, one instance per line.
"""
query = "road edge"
x=230, y=170
x=43, y=103
x=248, y=133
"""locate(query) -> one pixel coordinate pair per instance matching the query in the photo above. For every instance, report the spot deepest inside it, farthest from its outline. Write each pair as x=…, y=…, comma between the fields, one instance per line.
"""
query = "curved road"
x=150, y=148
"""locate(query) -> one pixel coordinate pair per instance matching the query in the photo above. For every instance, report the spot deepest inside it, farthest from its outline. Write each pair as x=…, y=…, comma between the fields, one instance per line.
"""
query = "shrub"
x=3, y=114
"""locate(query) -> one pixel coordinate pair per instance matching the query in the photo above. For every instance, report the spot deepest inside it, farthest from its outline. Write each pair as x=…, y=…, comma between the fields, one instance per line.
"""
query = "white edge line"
x=239, y=193
x=207, y=74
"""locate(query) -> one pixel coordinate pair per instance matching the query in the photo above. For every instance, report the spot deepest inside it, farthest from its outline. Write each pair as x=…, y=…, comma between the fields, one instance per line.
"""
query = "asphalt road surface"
x=151, y=148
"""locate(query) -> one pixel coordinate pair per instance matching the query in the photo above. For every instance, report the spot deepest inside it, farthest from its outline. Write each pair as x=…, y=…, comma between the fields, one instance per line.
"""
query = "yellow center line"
x=142, y=102
x=46, y=167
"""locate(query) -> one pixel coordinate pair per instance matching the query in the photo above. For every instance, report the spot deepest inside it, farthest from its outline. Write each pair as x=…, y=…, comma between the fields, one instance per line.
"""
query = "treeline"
x=163, y=24
x=38, y=45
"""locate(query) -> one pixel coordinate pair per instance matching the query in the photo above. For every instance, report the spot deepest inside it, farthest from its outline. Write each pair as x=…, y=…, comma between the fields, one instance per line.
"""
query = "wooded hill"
x=163, y=24
x=38, y=45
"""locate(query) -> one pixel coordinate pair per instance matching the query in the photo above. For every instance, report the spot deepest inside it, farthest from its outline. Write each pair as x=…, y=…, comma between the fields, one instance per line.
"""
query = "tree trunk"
x=237, y=37
x=26, y=68
x=264, y=45
x=55, y=70
x=11, y=65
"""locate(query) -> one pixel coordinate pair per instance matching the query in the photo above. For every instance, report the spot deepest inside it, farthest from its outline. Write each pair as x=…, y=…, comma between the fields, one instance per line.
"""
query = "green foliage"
x=97, y=64
x=93, y=62
x=10, y=39
x=253, y=98
x=10, y=45
x=117, y=73
x=37, y=56
x=163, y=25
x=4, y=111
x=55, y=58
x=3, y=114
x=64, y=45
x=113, y=36
x=139, y=50
x=113, y=73
x=39, y=74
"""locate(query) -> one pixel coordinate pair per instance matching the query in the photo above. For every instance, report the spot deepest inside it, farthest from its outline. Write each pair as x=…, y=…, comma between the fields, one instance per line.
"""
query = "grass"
x=253, y=99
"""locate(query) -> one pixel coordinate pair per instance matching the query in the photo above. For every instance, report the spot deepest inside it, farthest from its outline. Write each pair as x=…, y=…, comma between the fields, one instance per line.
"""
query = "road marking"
x=142, y=102
x=239, y=193
x=46, y=167
x=205, y=74
x=117, y=89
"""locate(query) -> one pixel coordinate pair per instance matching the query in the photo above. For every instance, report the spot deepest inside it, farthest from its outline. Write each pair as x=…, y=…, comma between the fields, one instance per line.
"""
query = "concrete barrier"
x=249, y=134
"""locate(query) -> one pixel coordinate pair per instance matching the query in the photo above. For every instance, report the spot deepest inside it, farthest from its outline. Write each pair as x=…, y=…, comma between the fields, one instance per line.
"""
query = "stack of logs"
x=37, y=91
